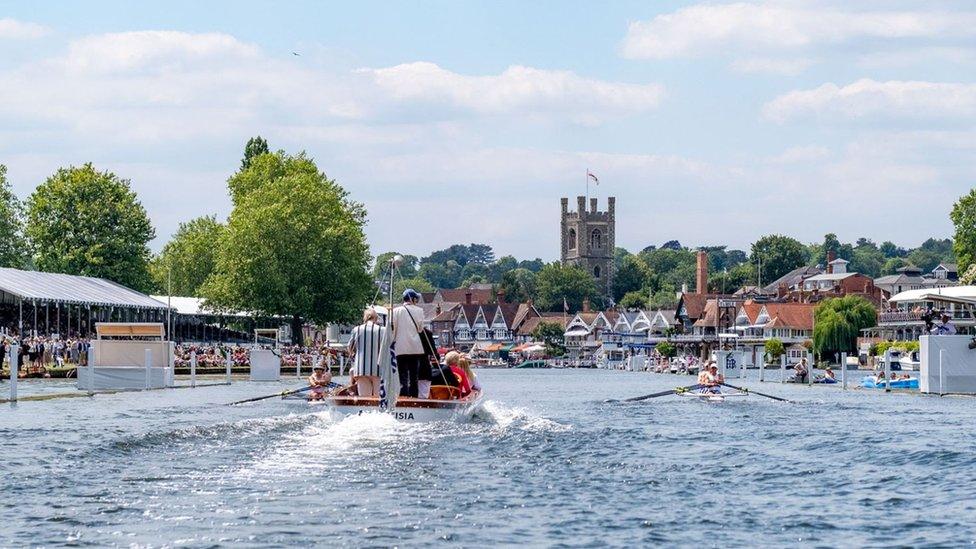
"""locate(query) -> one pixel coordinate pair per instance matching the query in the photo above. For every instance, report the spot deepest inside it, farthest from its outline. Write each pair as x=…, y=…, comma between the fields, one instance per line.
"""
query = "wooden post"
x=941, y=359
x=762, y=368
x=193, y=368
x=148, y=368
x=782, y=368
x=298, y=365
x=843, y=371
x=810, y=367
x=230, y=362
x=14, y=370
x=91, y=369
x=887, y=356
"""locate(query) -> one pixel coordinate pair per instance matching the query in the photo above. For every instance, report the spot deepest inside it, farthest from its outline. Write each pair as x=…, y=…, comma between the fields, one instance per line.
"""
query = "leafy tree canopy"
x=188, y=259
x=519, y=285
x=381, y=267
x=776, y=255
x=963, y=217
x=556, y=282
x=294, y=246
x=85, y=222
x=256, y=146
x=13, y=246
x=839, y=321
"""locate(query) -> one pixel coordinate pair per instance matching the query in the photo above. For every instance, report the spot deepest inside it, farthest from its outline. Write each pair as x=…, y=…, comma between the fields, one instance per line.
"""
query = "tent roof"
x=936, y=294
x=194, y=306
x=76, y=290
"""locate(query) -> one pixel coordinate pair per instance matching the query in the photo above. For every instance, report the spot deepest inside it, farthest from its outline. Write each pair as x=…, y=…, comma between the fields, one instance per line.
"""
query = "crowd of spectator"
x=37, y=353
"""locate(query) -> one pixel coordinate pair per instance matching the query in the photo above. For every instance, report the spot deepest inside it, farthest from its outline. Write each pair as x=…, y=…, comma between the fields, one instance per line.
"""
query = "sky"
x=457, y=122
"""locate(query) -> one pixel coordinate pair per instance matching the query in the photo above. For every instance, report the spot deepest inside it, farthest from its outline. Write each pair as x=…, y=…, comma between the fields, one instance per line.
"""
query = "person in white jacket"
x=407, y=324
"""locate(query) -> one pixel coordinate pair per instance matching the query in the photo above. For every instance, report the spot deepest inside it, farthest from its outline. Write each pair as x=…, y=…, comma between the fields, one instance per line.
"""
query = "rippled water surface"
x=548, y=463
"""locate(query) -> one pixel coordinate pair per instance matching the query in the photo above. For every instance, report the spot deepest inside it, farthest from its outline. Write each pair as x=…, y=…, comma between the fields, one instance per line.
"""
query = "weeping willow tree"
x=838, y=321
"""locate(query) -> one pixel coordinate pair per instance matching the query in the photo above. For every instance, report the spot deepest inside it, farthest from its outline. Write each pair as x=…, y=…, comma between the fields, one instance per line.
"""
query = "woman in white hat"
x=365, y=344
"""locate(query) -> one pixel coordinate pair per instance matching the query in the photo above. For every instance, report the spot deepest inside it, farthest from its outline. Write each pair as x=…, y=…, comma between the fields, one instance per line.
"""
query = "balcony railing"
x=908, y=317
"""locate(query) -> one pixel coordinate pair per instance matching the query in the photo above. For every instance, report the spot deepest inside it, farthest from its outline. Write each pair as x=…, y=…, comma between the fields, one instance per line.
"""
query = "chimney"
x=586, y=304
x=437, y=308
x=782, y=290
x=701, y=286
x=467, y=297
x=831, y=256
x=500, y=296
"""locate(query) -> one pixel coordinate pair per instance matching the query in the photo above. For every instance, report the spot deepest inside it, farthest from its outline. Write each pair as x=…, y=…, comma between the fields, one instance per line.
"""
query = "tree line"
x=293, y=245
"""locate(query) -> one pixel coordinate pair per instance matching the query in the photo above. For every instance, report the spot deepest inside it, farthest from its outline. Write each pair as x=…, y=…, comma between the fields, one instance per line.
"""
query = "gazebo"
x=61, y=303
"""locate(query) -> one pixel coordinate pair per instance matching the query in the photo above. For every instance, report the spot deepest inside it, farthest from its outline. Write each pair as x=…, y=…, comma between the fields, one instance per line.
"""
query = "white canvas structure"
x=121, y=363
x=265, y=365
x=730, y=363
x=948, y=365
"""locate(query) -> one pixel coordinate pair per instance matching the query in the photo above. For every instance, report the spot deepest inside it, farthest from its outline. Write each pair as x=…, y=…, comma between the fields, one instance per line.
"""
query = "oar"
x=281, y=394
x=655, y=395
x=745, y=390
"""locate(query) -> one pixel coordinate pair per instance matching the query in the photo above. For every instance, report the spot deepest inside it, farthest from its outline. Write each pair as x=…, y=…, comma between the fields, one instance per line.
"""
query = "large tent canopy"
x=35, y=286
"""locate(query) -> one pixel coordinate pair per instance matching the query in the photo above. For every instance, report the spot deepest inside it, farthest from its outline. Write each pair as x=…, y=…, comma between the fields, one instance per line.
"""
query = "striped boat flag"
x=389, y=378
x=593, y=177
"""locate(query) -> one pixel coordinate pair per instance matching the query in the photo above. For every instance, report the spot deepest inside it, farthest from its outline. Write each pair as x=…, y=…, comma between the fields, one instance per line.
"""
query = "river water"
x=549, y=463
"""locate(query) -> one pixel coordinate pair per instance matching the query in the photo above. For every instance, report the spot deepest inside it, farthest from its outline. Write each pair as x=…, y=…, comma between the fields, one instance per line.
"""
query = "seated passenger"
x=829, y=374
x=444, y=375
x=319, y=381
x=462, y=378
x=473, y=381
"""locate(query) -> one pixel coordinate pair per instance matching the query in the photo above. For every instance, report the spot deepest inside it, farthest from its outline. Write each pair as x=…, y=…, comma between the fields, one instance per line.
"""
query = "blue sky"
x=711, y=123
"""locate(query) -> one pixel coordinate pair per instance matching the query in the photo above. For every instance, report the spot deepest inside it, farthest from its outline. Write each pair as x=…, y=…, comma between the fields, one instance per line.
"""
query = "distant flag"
x=565, y=306
x=593, y=177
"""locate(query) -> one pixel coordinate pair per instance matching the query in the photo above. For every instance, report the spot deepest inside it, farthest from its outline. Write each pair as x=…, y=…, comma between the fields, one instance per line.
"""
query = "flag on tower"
x=565, y=306
x=593, y=177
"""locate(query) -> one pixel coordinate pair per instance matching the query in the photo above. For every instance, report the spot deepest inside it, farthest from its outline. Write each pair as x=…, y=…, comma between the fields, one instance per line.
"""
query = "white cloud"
x=517, y=89
x=153, y=86
x=12, y=29
x=805, y=154
x=787, y=67
x=867, y=98
x=742, y=27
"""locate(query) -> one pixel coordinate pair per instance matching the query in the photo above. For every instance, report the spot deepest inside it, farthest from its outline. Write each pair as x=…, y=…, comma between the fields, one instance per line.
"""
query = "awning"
x=579, y=332
x=481, y=346
x=494, y=348
x=71, y=289
x=507, y=348
x=536, y=348
x=130, y=329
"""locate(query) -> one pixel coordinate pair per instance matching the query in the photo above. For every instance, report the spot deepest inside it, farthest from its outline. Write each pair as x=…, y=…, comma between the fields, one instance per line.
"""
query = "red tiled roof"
x=459, y=295
x=798, y=316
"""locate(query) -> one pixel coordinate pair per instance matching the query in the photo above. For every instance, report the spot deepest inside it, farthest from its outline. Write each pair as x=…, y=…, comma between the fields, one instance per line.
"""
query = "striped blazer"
x=366, y=342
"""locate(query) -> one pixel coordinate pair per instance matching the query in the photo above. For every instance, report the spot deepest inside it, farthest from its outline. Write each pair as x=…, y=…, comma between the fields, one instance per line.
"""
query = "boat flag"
x=389, y=378
x=593, y=177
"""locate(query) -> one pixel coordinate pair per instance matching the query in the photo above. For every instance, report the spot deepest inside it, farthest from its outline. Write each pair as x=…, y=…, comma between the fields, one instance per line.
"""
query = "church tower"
x=589, y=239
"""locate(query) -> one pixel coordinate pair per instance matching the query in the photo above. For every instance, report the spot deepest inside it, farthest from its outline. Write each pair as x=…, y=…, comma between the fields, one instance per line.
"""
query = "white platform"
x=124, y=377
x=958, y=364
x=265, y=365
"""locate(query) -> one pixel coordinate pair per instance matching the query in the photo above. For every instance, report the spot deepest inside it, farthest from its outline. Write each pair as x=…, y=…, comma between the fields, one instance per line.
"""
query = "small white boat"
x=710, y=397
x=407, y=408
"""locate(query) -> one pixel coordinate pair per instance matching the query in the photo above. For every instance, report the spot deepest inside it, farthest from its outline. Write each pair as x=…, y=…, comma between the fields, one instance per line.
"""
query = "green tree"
x=774, y=349
x=550, y=333
x=867, y=258
x=631, y=276
x=838, y=322
x=256, y=146
x=442, y=275
x=13, y=246
x=501, y=266
x=666, y=349
x=265, y=168
x=381, y=267
x=188, y=259
x=633, y=300
x=85, y=222
x=294, y=246
x=519, y=285
x=417, y=284
x=890, y=250
x=963, y=217
x=534, y=265
x=556, y=282
x=776, y=255
x=892, y=265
